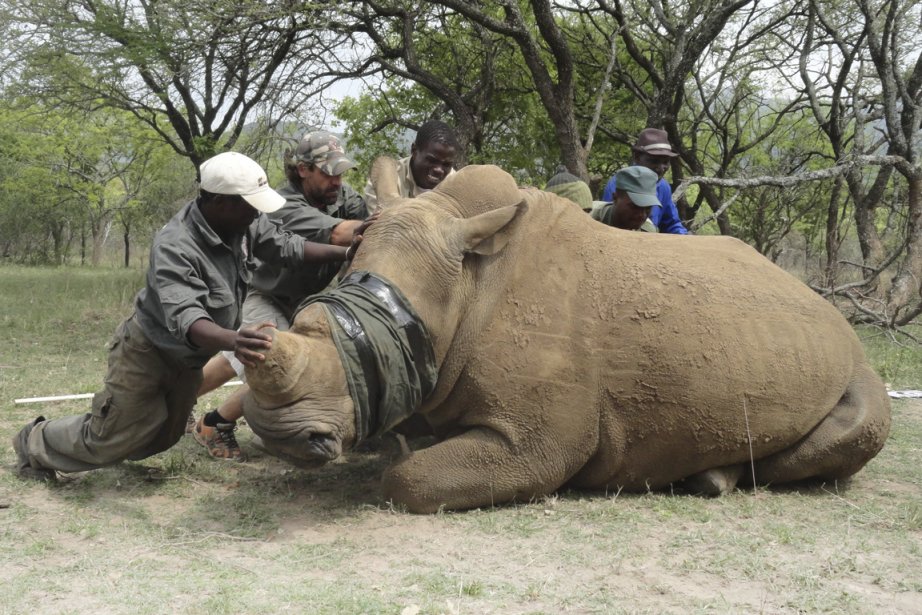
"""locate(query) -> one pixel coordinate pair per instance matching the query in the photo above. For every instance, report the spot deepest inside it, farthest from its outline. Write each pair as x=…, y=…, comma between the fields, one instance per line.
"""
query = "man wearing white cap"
x=189, y=309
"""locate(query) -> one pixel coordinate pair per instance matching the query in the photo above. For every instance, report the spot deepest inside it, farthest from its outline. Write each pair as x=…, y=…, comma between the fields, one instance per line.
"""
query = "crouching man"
x=632, y=201
x=189, y=309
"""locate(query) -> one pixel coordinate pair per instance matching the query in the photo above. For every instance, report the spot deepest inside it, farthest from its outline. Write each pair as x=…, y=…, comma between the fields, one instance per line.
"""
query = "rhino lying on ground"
x=546, y=349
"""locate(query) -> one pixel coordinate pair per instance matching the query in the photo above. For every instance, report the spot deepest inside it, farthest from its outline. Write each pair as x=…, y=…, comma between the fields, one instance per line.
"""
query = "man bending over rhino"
x=653, y=151
x=188, y=310
x=632, y=201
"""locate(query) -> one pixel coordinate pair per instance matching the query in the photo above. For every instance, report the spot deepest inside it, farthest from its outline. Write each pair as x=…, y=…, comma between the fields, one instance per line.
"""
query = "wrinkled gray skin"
x=571, y=353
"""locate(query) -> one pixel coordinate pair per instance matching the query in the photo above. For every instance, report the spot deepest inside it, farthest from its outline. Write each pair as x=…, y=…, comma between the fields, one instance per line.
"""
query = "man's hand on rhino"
x=358, y=235
x=251, y=342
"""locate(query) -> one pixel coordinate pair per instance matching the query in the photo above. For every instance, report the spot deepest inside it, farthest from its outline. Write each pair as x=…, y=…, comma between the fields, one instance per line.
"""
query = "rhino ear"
x=383, y=178
x=488, y=233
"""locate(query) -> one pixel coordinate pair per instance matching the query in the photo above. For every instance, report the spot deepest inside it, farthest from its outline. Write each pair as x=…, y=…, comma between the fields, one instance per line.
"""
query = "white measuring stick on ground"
x=35, y=400
x=903, y=394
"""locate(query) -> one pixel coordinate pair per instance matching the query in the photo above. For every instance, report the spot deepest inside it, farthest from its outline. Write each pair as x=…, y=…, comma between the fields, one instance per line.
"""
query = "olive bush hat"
x=569, y=186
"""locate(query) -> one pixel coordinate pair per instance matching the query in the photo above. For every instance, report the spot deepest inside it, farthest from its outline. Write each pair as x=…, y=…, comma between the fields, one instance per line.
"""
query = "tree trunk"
x=904, y=301
x=100, y=230
x=126, y=236
x=830, y=271
x=871, y=248
x=57, y=239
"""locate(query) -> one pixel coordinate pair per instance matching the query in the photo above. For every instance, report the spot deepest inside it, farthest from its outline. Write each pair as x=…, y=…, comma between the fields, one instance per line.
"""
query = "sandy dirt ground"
x=263, y=537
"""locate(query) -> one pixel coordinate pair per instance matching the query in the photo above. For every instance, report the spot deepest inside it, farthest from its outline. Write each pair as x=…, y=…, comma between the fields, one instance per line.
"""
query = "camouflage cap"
x=325, y=151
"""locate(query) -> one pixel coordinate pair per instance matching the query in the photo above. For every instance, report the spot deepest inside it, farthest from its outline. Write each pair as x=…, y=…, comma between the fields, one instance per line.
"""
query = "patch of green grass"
x=897, y=359
x=64, y=303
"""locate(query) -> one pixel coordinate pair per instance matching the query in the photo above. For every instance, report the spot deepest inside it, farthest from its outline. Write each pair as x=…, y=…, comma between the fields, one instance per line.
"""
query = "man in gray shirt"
x=320, y=207
x=189, y=309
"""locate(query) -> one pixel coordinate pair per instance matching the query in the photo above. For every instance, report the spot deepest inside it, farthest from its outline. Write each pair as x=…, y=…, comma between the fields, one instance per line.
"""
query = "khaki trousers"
x=141, y=411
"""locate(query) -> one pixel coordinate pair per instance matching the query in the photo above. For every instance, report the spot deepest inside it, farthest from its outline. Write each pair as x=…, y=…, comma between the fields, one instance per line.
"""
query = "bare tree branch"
x=790, y=180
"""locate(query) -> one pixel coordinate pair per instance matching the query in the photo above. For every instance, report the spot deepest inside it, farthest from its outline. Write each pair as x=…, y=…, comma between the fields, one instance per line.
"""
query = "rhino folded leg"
x=848, y=437
x=714, y=482
x=477, y=468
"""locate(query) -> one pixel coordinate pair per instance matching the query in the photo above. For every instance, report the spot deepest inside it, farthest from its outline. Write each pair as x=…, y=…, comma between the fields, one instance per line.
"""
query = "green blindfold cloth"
x=385, y=349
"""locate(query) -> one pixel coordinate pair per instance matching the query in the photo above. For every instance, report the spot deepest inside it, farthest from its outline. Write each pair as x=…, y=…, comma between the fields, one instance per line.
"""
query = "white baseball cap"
x=236, y=174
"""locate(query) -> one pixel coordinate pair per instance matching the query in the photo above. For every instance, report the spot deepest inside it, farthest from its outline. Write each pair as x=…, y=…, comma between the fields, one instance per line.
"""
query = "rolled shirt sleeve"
x=276, y=245
x=183, y=295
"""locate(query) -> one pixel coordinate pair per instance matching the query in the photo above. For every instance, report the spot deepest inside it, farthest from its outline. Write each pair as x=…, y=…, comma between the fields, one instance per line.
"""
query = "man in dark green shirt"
x=189, y=309
x=320, y=207
x=631, y=201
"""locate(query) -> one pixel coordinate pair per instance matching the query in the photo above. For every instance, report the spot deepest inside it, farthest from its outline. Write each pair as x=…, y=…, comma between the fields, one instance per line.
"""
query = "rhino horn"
x=273, y=381
x=383, y=177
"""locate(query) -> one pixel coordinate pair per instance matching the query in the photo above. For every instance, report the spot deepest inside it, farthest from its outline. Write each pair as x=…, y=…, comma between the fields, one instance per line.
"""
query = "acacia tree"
x=149, y=190
x=36, y=213
x=533, y=27
x=830, y=67
x=863, y=77
x=67, y=175
x=454, y=60
x=427, y=61
x=892, y=29
x=194, y=73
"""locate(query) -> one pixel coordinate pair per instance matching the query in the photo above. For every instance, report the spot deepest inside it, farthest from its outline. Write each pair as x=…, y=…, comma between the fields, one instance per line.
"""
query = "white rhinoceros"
x=548, y=350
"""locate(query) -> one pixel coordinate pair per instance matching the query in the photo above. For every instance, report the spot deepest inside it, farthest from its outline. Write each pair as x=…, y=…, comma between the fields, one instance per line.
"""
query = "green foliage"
x=36, y=203
x=895, y=357
x=68, y=176
x=195, y=75
x=367, y=130
x=459, y=72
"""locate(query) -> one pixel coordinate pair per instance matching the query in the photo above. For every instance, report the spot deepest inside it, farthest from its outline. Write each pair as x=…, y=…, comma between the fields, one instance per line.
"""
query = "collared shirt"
x=297, y=216
x=665, y=216
x=406, y=185
x=602, y=211
x=194, y=274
